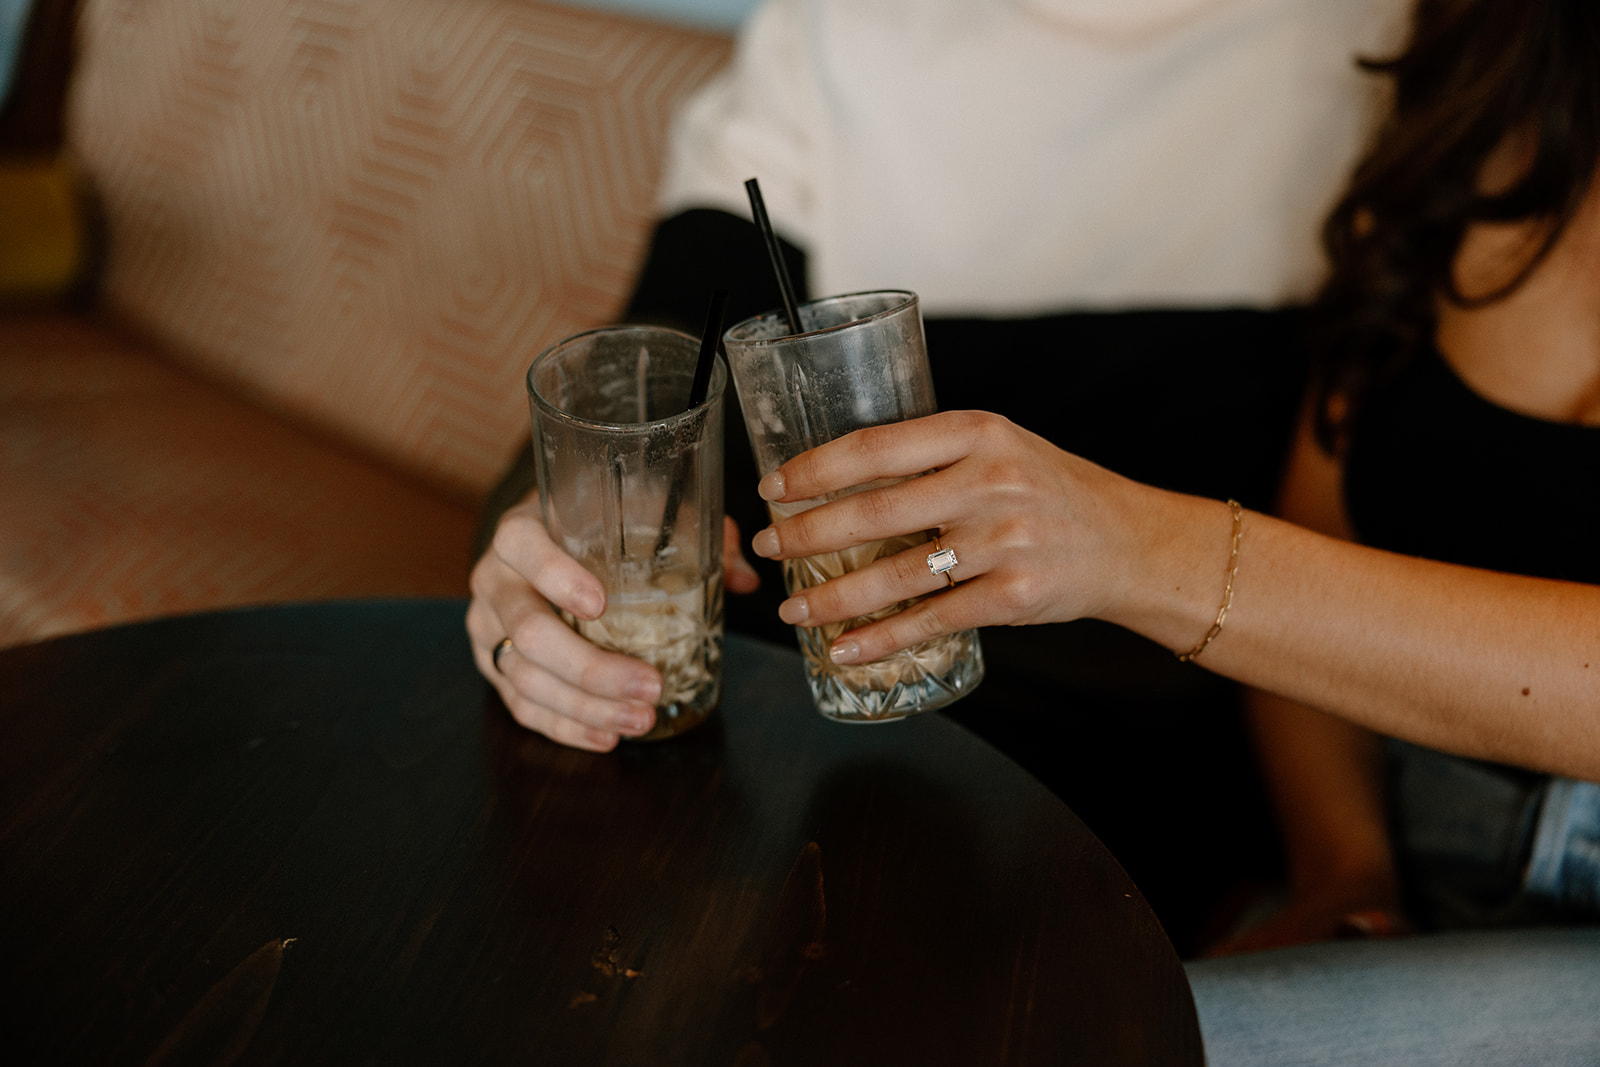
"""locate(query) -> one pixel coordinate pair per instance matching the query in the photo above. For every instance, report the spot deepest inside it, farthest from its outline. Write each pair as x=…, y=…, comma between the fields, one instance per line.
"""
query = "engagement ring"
x=942, y=561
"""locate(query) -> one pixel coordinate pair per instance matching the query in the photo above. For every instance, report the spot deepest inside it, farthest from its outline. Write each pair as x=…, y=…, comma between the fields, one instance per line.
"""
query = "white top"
x=1016, y=157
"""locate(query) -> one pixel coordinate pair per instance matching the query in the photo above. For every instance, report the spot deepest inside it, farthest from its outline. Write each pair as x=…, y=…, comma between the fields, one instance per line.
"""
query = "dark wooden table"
x=312, y=834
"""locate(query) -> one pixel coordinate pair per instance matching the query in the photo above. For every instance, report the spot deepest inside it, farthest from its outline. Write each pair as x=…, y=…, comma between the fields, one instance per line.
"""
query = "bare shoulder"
x=1537, y=351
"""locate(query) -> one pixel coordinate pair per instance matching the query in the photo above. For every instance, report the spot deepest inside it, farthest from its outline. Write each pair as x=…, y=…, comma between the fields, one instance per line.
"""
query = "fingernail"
x=765, y=543
x=635, y=722
x=589, y=605
x=844, y=651
x=770, y=487
x=794, y=611
x=646, y=690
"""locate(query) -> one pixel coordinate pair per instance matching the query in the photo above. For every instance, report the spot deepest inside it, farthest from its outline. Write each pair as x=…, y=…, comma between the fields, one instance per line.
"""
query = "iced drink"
x=929, y=674
x=673, y=621
x=630, y=486
x=857, y=360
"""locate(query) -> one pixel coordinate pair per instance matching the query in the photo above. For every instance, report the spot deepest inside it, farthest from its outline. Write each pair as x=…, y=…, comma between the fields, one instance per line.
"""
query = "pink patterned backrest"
x=371, y=214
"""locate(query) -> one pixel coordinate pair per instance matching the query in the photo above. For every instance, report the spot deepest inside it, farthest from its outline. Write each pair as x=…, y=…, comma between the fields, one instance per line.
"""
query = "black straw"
x=780, y=270
x=709, y=336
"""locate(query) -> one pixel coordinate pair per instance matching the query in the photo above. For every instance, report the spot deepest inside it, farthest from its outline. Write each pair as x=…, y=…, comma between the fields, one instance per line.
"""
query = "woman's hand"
x=1026, y=520
x=551, y=679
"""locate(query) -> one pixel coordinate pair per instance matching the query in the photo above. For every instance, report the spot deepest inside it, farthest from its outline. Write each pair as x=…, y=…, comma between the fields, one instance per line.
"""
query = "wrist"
x=1181, y=554
x=1231, y=572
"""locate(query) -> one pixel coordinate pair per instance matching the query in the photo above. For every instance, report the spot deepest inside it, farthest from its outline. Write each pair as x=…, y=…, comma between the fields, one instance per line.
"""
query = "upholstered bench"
x=333, y=236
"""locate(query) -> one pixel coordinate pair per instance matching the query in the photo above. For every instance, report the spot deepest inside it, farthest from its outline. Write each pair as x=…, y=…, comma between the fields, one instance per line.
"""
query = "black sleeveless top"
x=1435, y=470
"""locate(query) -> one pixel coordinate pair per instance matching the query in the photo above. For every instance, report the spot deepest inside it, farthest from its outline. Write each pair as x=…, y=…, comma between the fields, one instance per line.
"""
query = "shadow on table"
x=1151, y=753
x=903, y=866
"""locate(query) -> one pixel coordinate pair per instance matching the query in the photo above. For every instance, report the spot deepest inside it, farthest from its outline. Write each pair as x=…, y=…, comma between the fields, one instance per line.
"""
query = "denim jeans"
x=1493, y=859
x=1564, y=867
x=1465, y=998
x=1480, y=844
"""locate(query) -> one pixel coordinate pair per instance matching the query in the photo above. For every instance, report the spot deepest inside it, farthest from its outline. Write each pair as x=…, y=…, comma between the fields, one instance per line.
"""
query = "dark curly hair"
x=1474, y=75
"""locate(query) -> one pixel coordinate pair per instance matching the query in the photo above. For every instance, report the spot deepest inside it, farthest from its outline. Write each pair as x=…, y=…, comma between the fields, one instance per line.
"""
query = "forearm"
x=1468, y=661
x=1461, y=660
x=1325, y=776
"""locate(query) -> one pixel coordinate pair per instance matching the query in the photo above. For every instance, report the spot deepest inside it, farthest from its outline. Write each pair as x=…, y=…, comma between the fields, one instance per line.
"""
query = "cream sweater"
x=1016, y=157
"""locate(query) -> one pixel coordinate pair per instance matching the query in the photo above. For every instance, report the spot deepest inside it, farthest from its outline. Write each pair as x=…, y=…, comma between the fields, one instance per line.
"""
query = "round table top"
x=312, y=834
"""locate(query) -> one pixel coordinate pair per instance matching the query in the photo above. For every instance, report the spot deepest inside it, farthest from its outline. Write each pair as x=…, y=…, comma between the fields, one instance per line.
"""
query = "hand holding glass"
x=630, y=481
x=860, y=360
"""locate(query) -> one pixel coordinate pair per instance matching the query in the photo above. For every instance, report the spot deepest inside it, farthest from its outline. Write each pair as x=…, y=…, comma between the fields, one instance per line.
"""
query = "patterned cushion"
x=132, y=489
x=373, y=214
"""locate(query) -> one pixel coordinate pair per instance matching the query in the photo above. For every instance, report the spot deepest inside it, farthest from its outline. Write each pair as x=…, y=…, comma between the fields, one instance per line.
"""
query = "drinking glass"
x=860, y=360
x=630, y=483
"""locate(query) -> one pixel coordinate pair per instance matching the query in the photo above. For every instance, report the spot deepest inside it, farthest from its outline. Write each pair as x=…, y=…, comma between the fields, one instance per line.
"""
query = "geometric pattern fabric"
x=337, y=232
x=131, y=489
x=372, y=215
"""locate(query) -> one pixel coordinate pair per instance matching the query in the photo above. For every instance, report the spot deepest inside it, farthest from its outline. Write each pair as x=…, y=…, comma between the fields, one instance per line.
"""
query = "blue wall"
x=709, y=14
x=13, y=22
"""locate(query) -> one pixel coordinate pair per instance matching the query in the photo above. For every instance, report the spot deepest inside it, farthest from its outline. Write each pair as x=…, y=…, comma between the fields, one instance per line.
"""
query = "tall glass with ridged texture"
x=630, y=483
x=860, y=360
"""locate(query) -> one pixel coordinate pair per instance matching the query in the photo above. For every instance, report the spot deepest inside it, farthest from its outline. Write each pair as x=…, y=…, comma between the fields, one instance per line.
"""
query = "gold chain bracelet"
x=1227, y=591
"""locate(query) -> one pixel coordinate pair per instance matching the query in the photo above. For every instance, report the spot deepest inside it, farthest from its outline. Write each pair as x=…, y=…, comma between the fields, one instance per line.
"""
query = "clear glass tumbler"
x=860, y=360
x=630, y=481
